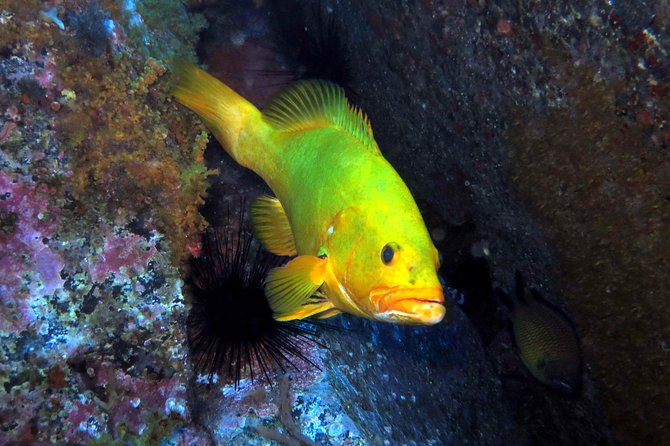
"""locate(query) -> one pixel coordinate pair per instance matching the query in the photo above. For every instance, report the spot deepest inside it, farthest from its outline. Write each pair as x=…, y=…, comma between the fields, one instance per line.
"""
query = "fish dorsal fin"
x=313, y=104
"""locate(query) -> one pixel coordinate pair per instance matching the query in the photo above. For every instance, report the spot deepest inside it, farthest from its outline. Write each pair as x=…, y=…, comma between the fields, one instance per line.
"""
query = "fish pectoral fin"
x=290, y=288
x=271, y=227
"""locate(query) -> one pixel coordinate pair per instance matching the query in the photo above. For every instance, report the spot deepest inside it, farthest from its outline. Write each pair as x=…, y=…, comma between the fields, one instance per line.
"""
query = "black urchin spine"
x=231, y=329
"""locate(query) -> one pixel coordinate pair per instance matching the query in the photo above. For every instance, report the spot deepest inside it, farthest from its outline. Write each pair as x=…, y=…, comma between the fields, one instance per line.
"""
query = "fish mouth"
x=408, y=305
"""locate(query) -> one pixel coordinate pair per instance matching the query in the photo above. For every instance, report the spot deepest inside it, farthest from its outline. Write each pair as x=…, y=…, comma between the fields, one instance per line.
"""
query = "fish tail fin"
x=223, y=111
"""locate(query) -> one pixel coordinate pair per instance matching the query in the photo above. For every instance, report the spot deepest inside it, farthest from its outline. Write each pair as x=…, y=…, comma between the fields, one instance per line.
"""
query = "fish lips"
x=408, y=305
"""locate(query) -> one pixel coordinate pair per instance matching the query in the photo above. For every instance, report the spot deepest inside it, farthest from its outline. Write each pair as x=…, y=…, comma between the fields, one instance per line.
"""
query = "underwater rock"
x=107, y=179
x=92, y=344
x=431, y=385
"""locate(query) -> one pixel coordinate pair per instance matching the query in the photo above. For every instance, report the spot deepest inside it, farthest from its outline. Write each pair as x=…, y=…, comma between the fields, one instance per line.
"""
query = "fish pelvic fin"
x=290, y=289
x=225, y=113
x=271, y=227
x=328, y=313
x=313, y=104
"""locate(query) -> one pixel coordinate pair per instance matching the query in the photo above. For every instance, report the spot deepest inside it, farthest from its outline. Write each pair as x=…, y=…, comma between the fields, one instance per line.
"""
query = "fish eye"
x=388, y=253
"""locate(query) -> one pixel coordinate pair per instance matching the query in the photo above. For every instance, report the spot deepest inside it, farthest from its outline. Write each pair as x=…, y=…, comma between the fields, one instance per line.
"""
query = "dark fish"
x=546, y=339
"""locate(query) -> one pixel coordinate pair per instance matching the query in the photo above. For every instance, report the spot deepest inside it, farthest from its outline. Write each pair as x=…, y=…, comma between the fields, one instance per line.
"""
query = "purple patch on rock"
x=122, y=254
x=29, y=269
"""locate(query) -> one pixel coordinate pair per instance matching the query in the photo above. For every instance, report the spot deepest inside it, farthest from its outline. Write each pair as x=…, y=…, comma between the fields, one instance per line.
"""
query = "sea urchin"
x=231, y=328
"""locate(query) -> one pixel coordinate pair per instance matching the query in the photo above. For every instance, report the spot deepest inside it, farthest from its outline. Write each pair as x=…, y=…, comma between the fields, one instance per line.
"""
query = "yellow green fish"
x=359, y=241
x=546, y=339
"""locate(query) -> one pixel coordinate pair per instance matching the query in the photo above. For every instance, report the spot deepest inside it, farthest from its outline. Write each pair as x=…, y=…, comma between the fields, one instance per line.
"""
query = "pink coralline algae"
x=6, y=131
x=29, y=269
x=128, y=402
x=121, y=255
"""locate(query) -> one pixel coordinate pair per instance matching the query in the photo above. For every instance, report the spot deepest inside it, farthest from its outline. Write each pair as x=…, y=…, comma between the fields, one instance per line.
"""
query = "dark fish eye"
x=387, y=254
